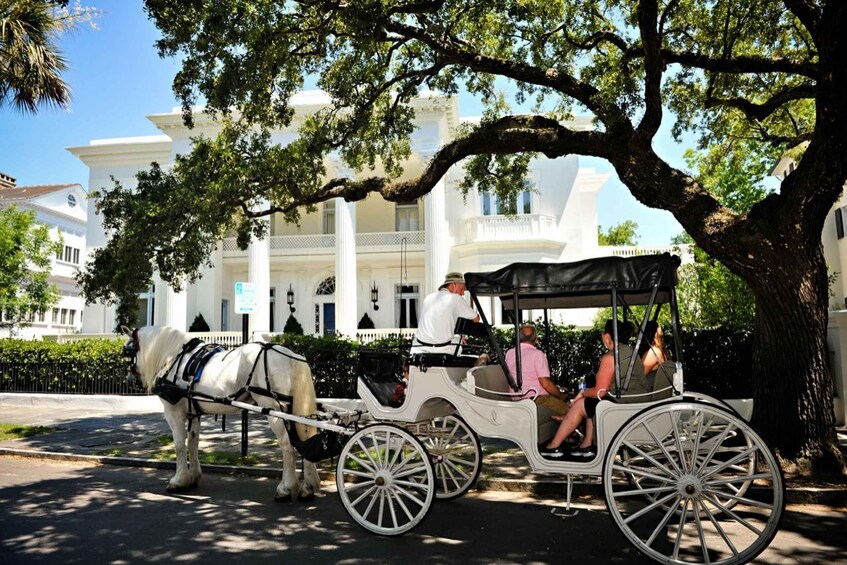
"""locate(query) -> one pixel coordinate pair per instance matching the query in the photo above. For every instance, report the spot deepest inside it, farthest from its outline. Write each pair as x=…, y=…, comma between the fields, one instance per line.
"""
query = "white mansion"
x=349, y=259
x=62, y=207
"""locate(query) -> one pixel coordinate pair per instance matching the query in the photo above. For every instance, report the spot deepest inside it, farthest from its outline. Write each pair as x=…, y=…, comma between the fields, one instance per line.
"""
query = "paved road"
x=54, y=512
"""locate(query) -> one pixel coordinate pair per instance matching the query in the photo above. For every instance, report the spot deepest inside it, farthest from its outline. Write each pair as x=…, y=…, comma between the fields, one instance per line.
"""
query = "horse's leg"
x=177, y=417
x=194, y=470
x=311, y=480
x=290, y=483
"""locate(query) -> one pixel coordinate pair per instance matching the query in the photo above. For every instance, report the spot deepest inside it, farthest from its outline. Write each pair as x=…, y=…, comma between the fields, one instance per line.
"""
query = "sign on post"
x=245, y=298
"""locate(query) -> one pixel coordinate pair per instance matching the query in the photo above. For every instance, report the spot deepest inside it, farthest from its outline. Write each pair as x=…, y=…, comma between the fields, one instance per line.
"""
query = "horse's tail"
x=305, y=401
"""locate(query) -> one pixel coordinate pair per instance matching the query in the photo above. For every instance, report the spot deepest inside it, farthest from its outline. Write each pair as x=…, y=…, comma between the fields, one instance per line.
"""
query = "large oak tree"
x=753, y=78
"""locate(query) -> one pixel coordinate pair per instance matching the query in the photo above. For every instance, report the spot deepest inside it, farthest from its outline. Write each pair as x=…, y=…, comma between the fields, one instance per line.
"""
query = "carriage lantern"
x=289, y=298
x=375, y=296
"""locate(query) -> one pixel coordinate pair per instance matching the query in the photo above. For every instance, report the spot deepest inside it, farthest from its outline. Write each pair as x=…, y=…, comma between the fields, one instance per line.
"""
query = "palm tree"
x=31, y=64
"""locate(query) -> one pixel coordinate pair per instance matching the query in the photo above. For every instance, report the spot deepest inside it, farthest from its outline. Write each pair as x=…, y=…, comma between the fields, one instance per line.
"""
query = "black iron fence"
x=59, y=377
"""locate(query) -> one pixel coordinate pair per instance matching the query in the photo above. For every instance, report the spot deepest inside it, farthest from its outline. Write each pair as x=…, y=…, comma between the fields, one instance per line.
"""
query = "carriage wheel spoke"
x=643, y=491
x=741, y=499
x=706, y=473
x=716, y=443
x=733, y=515
x=641, y=473
x=368, y=492
x=664, y=450
x=664, y=522
x=683, y=518
x=649, y=458
x=703, y=546
x=718, y=527
x=449, y=465
x=648, y=508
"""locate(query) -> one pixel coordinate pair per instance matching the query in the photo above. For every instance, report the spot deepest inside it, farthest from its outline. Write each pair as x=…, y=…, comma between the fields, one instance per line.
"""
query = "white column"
x=259, y=273
x=174, y=307
x=436, y=256
x=345, y=267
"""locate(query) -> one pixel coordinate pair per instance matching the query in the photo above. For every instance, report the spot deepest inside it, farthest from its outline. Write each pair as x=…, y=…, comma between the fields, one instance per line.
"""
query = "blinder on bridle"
x=130, y=354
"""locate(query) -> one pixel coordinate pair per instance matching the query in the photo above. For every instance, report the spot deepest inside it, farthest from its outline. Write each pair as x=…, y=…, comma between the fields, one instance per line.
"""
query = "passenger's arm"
x=605, y=376
x=651, y=361
x=548, y=385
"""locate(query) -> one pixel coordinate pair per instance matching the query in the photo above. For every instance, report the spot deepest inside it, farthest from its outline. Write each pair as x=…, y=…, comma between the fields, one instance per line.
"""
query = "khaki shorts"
x=558, y=406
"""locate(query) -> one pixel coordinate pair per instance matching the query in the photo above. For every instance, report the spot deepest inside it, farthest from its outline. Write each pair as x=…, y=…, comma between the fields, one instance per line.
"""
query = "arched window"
x=326, y=287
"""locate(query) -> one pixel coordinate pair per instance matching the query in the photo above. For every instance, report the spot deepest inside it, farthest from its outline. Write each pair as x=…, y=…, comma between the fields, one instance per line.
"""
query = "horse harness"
x=318, y=447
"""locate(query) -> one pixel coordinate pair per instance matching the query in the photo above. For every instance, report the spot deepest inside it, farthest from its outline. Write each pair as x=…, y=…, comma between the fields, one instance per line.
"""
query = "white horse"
x=154, y=352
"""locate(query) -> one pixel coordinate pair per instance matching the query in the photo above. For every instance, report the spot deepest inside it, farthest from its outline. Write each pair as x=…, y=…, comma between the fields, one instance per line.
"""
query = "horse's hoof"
x=282, y=497
x=176, y=490
x=306, y=497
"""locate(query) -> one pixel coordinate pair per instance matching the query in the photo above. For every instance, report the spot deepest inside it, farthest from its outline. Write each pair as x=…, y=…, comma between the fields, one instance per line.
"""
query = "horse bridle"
x=131, y=350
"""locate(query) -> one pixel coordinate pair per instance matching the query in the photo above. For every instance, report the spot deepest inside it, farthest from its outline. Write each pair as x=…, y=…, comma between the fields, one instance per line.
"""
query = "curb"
x=833, y=497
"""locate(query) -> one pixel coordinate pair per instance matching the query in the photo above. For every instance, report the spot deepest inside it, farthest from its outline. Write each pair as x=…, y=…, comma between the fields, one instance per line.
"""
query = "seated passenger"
x=584, y=406
x=652, y=348
x=535, y=373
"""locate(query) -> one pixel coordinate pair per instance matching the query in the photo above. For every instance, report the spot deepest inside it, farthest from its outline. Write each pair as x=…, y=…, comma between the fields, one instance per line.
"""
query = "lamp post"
x=375, y=296
x=289, y=298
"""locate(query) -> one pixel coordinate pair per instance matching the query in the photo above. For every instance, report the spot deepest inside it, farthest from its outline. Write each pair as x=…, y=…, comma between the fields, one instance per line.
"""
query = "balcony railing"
x=683, y=250
x=325, y=243
x=518, y=228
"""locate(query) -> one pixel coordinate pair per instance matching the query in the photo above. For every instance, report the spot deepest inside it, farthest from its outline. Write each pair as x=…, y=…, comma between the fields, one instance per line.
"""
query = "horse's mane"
x=159, y=345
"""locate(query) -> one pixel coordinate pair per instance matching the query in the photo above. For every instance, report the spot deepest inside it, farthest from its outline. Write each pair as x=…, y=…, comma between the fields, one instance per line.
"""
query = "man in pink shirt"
x=536, y=373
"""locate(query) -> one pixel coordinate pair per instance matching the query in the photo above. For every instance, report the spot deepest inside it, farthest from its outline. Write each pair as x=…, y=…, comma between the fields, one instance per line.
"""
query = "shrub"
x=199, y=324
x=292, y=326
x=366, y=323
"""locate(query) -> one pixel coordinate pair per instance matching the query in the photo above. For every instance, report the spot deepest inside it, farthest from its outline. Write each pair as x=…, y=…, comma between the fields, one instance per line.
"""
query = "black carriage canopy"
x=583, y=284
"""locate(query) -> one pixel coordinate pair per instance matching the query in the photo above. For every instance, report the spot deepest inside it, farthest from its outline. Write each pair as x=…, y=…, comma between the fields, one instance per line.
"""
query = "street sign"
x=245, y=298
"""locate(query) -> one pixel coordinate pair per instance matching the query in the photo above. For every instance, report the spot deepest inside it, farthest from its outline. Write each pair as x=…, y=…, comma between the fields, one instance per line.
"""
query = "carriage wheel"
x=456, y=454
x=385, y=479
x=680, y=485
x=736, y=441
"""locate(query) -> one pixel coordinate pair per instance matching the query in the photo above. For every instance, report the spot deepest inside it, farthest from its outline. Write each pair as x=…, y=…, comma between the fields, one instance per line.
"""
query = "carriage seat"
x=660, y=381
x=489, y=380
x=381, y=371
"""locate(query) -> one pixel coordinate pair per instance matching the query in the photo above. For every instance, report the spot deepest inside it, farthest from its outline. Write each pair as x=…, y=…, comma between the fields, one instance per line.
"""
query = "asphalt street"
x=70, y=512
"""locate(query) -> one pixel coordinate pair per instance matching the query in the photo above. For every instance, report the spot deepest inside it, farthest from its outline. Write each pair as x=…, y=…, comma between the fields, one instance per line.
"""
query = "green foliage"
x=332, y=360
x=710, y=296
x=26, y=252
x=81, y=367
x=623, y=233
x=292, y=326
x=199, y=324
x=366, y=323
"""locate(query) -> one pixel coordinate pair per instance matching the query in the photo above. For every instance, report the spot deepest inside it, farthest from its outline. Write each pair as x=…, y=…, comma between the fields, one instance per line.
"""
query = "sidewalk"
x=131, y=431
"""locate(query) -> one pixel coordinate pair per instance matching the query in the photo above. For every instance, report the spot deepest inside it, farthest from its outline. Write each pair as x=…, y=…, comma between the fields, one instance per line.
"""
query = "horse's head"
x=148, y=350
x=131, y=349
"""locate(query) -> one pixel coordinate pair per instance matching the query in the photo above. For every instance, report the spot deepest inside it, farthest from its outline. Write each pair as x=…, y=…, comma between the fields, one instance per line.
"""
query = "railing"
x=367, y=336
x=62, y=377
x=518, y=228
x=683, y=250
x=325, y=243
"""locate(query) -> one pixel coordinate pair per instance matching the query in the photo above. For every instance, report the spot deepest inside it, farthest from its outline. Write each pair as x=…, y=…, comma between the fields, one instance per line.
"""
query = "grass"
x=16, y=431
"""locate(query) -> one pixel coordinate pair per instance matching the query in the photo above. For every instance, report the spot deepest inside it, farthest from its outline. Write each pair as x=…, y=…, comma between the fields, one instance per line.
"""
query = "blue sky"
x=117, y=78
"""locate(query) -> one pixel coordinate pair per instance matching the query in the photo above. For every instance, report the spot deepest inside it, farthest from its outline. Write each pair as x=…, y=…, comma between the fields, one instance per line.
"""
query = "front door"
x=329, y=318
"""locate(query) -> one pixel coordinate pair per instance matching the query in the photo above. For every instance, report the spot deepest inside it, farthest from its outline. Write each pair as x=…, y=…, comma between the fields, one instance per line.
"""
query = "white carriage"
x=685, y=477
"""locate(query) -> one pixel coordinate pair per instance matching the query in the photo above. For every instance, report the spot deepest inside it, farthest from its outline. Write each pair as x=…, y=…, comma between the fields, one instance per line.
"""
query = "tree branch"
x=807, y=12
x=648, y=15
x=761, y=111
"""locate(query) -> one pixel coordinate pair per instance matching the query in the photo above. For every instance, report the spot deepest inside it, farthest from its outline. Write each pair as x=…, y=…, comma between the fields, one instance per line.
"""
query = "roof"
x=24, y=192
x=582, y=284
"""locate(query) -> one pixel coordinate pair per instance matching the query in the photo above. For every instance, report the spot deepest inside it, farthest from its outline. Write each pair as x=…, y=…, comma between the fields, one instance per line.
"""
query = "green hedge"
x=717, y=362
x=82, y=367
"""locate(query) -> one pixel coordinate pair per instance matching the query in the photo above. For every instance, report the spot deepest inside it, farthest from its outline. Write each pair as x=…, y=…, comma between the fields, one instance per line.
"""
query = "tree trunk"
x=793, y=388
